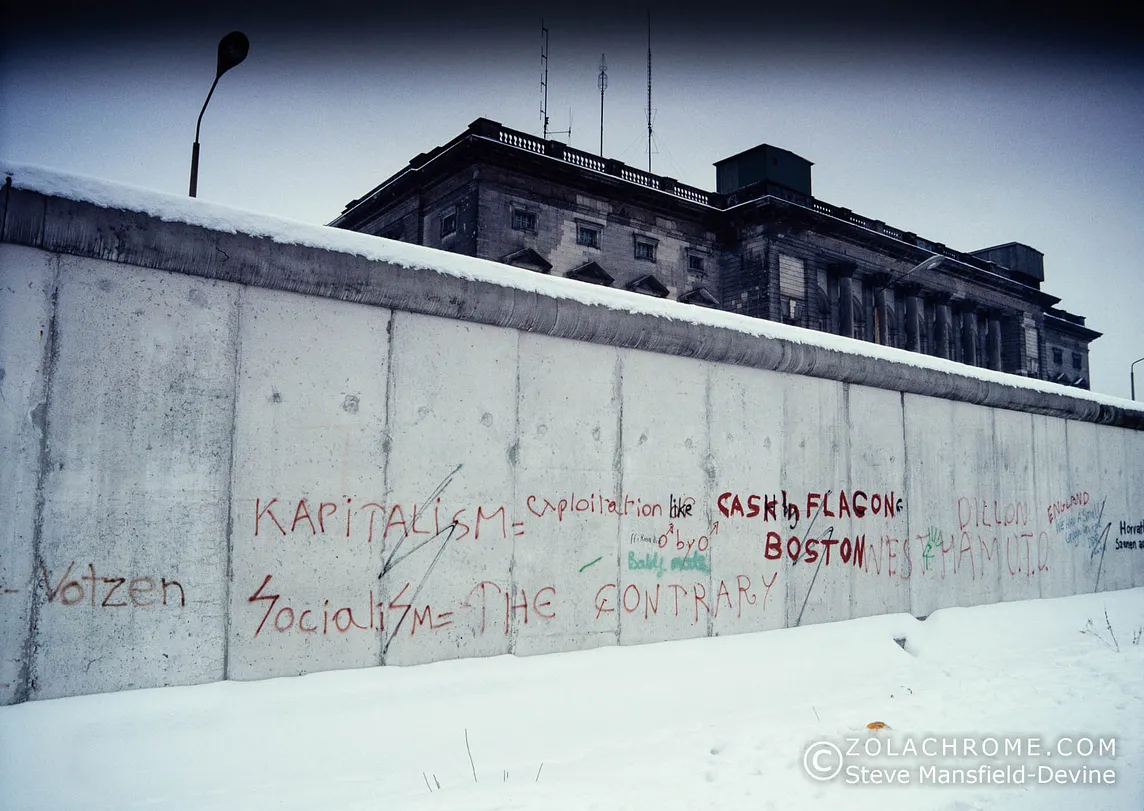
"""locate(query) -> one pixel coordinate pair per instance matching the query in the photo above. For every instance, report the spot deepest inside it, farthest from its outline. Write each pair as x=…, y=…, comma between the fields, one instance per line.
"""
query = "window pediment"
x=649, y=285
x=527, y=258
x=700, y=296
x=592, y=273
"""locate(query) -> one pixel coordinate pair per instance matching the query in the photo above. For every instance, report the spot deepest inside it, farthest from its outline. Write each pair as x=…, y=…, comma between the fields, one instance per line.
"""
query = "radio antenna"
x=649, y=91
x=568, y=131
x=603, y=83
x=544, y=88
x=544, y=79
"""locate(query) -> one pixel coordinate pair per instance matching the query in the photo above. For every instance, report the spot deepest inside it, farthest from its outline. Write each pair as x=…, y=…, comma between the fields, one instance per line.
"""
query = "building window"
x=523, y=220
x=792, y=276
x=448, y=223
x=645, y=250
x=1076, y=360
x=791, y=310
x=1058, y=356
x=588, y=235
x=695, y=263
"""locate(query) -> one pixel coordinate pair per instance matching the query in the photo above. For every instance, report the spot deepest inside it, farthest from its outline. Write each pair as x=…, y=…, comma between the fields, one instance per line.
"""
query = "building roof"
x=490, y=141
x=762, y=148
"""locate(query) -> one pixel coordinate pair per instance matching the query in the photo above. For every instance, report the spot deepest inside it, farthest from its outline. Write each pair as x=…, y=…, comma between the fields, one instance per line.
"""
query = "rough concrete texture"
x=26, y=301
x=664, y=460
x=448, y=585
x=205, y=479
x=746, y=452
x=130, y=547
x=310, y=449
x=569, y=425
x=877, y=453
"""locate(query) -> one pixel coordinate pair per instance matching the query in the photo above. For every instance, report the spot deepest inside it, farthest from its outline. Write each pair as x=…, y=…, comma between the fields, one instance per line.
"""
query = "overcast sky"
x=975, y=128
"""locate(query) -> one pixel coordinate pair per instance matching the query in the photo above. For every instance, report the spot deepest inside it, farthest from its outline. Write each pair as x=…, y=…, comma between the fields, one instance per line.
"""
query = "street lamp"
x=1132, y=376
x=232, y=49
x=928, y=264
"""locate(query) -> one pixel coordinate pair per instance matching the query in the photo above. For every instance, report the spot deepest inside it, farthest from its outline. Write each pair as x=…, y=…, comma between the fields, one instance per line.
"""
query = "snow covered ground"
x=710, y=723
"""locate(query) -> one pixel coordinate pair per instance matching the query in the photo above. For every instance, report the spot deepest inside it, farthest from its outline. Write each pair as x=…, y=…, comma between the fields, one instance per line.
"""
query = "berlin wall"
x=229, y=457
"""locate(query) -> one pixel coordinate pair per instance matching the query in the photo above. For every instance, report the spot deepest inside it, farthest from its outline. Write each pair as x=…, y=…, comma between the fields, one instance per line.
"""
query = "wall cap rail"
x=81, y=217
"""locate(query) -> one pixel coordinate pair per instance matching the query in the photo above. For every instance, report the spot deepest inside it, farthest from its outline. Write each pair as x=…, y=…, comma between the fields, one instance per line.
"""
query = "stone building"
x=760, y=245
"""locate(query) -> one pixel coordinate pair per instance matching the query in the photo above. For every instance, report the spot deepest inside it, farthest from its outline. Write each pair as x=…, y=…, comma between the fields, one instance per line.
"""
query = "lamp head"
x=232, y=49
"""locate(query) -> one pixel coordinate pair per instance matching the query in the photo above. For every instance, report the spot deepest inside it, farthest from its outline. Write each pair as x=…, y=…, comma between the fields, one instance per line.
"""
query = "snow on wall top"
x=193, y=211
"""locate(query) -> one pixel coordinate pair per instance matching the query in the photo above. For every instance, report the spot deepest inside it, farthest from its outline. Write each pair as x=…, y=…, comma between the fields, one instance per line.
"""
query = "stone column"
x=942, y=327
x=846, y=305
x=993, y=341
x=914, y=315
x=969, y=334
x=883, y=305
x=881, y=326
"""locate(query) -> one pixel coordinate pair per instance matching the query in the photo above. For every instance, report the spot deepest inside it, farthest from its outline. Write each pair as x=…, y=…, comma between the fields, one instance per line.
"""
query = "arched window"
x=821, y=313
x=891, y=326
x=859, y=319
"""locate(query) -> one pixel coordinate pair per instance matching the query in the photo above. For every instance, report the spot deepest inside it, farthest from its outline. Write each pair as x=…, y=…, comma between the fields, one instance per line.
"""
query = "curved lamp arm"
x=232, y=49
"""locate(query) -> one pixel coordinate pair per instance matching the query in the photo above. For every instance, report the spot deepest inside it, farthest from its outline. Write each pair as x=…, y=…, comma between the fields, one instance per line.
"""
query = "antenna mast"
x=649, y=91
x=603, y=86
x=544, y=78
x=544, y=88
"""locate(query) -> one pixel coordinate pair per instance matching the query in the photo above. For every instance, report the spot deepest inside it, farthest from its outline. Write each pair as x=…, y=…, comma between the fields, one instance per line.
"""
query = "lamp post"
x=232, y=49
x=1132, y=376
x=928, y=264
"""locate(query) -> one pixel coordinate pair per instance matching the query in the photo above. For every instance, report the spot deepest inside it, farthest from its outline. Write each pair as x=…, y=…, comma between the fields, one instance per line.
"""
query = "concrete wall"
x=207, y=475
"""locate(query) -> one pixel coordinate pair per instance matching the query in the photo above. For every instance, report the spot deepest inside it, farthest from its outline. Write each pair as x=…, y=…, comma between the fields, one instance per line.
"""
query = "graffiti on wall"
x=683, y=601
x=681, y=560
x=1076, y=519
x=667, y=570
x=75, y=588
x=769, y=507
x=1131, y=536
x=376, y=521
x=373, y=614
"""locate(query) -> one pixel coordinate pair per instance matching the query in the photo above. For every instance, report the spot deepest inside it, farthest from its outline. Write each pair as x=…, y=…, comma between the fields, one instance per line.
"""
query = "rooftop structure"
x=761, y=245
